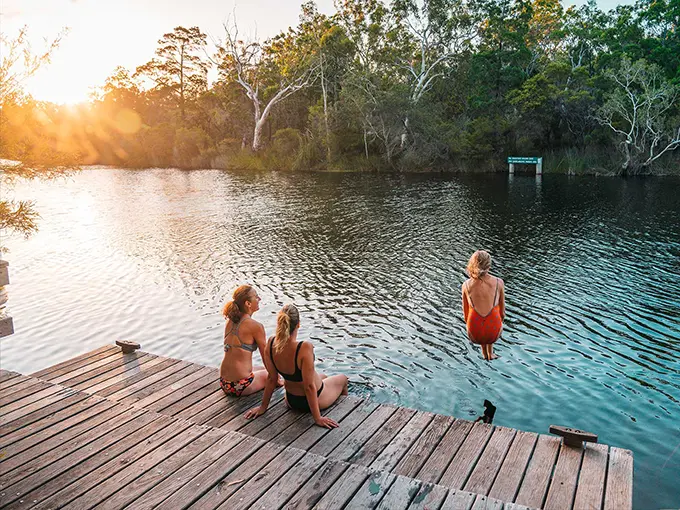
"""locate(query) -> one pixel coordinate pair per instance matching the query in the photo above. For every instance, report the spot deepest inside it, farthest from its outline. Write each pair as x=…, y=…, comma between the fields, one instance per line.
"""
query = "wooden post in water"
x=6, y=322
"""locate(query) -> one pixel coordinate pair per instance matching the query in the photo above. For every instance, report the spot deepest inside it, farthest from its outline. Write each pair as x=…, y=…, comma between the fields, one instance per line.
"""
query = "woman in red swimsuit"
x=483, y=303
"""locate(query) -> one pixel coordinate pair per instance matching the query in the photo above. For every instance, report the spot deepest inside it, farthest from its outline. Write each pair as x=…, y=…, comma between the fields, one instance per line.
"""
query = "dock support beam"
x=511, y=168
x=539, y=167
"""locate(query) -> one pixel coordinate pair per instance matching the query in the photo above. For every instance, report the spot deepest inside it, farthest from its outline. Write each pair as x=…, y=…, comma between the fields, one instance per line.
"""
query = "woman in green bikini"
x=242, y=336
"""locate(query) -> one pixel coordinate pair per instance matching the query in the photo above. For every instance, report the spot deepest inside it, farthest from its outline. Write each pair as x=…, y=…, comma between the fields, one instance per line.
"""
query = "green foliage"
x=404, y=85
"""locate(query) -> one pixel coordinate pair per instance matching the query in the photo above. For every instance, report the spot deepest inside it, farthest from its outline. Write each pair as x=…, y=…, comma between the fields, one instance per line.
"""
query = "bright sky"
x=104, y=34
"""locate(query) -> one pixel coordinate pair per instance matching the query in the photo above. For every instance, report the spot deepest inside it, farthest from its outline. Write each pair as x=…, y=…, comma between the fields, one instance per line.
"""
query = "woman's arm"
x=466, y=303
x=269, y=387
x=309, y=382
x=501, y=299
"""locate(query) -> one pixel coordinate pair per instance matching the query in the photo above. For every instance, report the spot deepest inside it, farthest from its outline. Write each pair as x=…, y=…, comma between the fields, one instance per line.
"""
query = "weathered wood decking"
x=113, y=430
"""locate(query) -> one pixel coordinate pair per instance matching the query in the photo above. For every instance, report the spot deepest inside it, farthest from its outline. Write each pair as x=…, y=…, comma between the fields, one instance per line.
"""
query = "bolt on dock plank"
x=109, y=430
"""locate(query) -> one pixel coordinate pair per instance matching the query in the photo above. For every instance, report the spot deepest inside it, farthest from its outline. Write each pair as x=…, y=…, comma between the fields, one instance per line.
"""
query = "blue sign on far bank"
x=512, y=159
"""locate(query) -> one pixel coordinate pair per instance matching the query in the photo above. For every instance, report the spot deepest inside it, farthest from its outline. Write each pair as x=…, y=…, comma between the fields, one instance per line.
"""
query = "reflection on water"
x=375, y=264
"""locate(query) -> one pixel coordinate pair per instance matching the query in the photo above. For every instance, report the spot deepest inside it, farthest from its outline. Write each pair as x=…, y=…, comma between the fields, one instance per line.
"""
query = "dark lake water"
x=375, y=263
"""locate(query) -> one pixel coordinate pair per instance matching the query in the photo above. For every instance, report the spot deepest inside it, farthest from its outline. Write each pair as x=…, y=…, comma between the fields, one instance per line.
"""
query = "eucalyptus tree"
x=180, y=69
x=642, y=111
x=268, y=73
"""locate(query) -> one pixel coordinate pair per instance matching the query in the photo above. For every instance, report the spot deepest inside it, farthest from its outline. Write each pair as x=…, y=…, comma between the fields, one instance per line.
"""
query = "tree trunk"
x=325, y=115
x=257, y=134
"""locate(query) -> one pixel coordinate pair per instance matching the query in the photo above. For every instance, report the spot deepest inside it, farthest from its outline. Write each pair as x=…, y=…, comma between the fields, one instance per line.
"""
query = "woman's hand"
x=326, y=423
x=254, y=413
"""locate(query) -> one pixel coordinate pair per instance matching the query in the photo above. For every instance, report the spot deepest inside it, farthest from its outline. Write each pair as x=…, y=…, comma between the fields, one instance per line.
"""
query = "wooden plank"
x=35, y=403
x=313, y=490
x=619, y=492
x=161, y=389
x=125, y=497
x=466, y=458
x=484, y=503
x=412, y=462
x=322, y=441
x=401, y=494
x=101, y=483
x=36, y=458
x=122, y=368
x=458, y=500
x=280, y=424
x=375, y=445
x=286, y=487
x=535, y=483
x=372, y=491
x=50, y=472
x=100, y=368
x=443, y=453
x=253, y=426
x=199, y=407
x=361, y=434
x=563, y=485
x=515, y=506
x=31, y=395
x=512, y=470
x=343, y=489
x=123, y=386
x=222, y=479
x=183, y=388
x=6, y=375
x=338, y=412
x=48, y=433
x=83, y=367
x=429, y=497
x=212, y=388
x=133, y=391
x=57, y=477
x=210, y=412
x=8, y=384
x=50, y=421
x=22, y=388
x=40, y=413
x=101, y=352
x=591, y=481
x=250, y=492
x=484, y=473
x=397, y=448
x=238, y=446
x=241, y=405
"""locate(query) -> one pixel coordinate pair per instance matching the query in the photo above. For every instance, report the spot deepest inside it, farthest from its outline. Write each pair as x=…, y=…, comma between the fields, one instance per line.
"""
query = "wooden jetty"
x=114, y=430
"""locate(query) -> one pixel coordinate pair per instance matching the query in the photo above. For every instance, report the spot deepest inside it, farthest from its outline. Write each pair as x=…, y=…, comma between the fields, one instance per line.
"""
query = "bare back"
x=240, y=341
x=484, y=293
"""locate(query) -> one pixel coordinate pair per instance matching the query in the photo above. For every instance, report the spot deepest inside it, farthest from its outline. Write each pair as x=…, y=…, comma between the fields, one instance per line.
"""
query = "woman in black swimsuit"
x=306, y=390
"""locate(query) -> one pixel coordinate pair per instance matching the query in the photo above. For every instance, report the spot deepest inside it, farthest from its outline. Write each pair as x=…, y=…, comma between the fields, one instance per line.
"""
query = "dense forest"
x=409, y=85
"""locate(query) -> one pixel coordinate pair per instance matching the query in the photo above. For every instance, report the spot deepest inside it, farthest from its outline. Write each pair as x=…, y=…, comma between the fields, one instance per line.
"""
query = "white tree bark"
x=246, y=59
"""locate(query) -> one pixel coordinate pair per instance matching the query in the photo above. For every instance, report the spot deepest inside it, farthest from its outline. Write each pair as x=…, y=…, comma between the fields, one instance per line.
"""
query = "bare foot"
x=494, y=356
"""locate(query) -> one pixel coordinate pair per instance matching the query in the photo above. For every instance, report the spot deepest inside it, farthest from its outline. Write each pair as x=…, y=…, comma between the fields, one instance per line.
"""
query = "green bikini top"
x=246, y=347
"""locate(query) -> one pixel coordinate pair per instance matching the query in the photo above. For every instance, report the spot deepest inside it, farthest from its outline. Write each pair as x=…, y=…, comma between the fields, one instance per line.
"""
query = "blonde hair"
x=479, y=264
x=235, y=308
x=286, y=322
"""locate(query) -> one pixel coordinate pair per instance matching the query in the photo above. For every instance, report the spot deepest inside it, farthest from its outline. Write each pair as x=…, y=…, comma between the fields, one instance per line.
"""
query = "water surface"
x=375, y=264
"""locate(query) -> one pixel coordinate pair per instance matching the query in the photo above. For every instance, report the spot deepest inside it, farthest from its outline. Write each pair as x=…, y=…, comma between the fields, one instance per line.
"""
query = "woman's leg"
x=333, y=387
x=491, y=354
x=259, y=380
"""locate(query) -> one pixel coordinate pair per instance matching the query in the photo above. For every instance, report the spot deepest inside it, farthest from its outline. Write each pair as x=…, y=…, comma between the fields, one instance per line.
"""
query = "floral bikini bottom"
x=235, y=388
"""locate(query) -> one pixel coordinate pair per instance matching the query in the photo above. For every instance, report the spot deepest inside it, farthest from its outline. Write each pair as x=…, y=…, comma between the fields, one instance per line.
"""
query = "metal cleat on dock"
x=573, y=437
